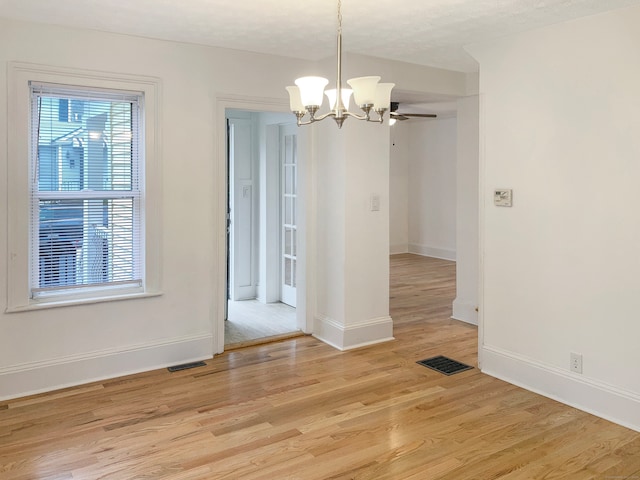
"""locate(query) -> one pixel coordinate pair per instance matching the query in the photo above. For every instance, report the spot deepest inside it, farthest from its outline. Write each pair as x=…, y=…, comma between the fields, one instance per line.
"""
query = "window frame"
x=20, y=76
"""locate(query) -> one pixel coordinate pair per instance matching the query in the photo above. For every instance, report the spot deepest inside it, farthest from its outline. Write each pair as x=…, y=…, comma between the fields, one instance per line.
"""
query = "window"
x=85, y=199
x=83, y=163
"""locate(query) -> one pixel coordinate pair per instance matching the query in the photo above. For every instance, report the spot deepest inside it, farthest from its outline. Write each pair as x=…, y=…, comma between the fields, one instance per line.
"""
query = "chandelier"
x=306, y=97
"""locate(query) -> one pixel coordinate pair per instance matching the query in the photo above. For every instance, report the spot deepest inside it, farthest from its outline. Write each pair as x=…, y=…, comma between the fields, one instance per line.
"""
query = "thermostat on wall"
x=502, y=197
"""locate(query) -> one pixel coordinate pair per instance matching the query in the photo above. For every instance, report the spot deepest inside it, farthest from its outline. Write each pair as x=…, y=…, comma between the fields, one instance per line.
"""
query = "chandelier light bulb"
x=383, y=96
x=295, y=100
x=364, y=89
x=311, y=90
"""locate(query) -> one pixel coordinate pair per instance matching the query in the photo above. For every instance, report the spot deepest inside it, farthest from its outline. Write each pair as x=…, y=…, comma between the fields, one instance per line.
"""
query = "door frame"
x=306, y=204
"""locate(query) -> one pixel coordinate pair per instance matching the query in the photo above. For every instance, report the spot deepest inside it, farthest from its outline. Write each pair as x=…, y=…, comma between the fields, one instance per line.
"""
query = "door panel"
x=242, y=210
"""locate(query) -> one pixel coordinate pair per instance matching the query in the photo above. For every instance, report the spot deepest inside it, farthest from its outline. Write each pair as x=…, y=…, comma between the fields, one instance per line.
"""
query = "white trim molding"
x=465, y=312
x=44, y=376
x=355, y=335
x=435, y=252
x=19, y=76
x=605, y=401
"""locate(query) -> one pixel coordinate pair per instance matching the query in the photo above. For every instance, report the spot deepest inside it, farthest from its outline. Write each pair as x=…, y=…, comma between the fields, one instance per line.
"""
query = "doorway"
x=262, y=238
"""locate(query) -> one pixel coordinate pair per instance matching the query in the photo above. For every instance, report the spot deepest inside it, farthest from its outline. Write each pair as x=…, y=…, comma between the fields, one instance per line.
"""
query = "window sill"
x=70, y=302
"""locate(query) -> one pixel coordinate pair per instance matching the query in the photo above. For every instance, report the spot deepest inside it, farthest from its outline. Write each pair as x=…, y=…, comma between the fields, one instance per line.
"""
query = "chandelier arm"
x=356, y=116
x=299, y=117
x=301, y=123
x=325, y=115
x=377, y=120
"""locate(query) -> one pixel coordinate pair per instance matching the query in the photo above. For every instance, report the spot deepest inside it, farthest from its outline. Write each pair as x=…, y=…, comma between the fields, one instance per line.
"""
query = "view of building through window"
x=86, y=196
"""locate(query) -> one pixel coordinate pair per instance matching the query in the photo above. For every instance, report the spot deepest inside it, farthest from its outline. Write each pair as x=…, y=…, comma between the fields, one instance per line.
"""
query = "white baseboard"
x=396, y=249
x=585, y=394
x=362, y=334
x=37, y=377
x=465, y=312
x=435, y=252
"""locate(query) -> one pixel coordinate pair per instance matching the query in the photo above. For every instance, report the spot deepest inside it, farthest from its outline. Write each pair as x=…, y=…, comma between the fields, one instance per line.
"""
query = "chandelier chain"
x=339, y=17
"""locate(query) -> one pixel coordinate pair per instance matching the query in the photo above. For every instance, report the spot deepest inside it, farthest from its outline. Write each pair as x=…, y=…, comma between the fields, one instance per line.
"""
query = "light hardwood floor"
x=299, y=409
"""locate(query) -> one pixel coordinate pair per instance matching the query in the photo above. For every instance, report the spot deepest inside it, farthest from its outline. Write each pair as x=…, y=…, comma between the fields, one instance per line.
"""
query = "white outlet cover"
x=575, y=362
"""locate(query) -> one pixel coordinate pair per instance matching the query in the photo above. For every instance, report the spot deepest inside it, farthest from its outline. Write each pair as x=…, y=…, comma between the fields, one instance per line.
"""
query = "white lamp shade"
x=345, y=93
x=295, y=101
x=364, y=89
x=392, y=122
x=383, y=96
x=311, y=90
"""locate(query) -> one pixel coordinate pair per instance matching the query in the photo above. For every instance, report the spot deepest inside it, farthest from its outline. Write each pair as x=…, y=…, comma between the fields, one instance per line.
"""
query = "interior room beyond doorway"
x=262, y=227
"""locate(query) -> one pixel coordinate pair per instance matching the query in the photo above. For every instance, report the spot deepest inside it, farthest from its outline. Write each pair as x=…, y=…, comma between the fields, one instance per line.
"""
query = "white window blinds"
x=86, y=192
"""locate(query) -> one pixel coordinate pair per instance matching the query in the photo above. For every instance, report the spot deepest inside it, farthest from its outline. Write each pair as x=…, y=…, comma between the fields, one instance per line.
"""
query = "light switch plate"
x=374, y=203
x=502, y=197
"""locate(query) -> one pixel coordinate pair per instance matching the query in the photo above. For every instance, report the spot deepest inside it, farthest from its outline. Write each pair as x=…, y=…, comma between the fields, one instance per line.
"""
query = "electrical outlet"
x=576, y=362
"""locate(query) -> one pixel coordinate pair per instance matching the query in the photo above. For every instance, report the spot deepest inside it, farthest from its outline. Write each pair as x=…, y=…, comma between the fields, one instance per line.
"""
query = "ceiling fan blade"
x=405, y=116
x=422, y=115
x=398, y=116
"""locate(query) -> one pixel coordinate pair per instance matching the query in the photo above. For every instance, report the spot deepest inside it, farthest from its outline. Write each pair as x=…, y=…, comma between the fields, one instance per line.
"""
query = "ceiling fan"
x=405, y=116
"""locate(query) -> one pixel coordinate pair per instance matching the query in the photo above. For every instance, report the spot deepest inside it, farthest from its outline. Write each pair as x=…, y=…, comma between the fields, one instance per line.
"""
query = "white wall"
x=467, y=242
x=331, y=227
x=399, y=188
x=432, y=188
x=560, y=268
x=353, y=239
x=43, y=350
x=423, y=188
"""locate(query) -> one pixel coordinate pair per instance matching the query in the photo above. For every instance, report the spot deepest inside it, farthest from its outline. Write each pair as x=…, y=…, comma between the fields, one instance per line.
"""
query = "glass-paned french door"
x=289, y=233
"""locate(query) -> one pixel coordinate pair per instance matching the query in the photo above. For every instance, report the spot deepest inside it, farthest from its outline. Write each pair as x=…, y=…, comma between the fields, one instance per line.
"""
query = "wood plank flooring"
x=301, y=410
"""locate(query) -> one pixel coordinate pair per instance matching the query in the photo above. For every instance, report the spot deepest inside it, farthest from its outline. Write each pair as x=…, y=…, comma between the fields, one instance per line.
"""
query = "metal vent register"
x=444, y=365
x=185, y=366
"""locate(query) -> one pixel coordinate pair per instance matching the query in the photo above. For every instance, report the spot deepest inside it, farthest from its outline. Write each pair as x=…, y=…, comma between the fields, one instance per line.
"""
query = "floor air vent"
x=444, y=365
x=184, y=366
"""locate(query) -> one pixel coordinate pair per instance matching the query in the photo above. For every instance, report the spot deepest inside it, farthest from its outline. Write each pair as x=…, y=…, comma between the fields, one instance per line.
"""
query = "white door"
x=288, y=205
x=242, y=246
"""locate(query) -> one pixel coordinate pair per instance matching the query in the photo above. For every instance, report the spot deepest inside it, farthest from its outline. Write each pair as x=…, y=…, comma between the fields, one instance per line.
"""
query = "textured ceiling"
x=426, y=32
